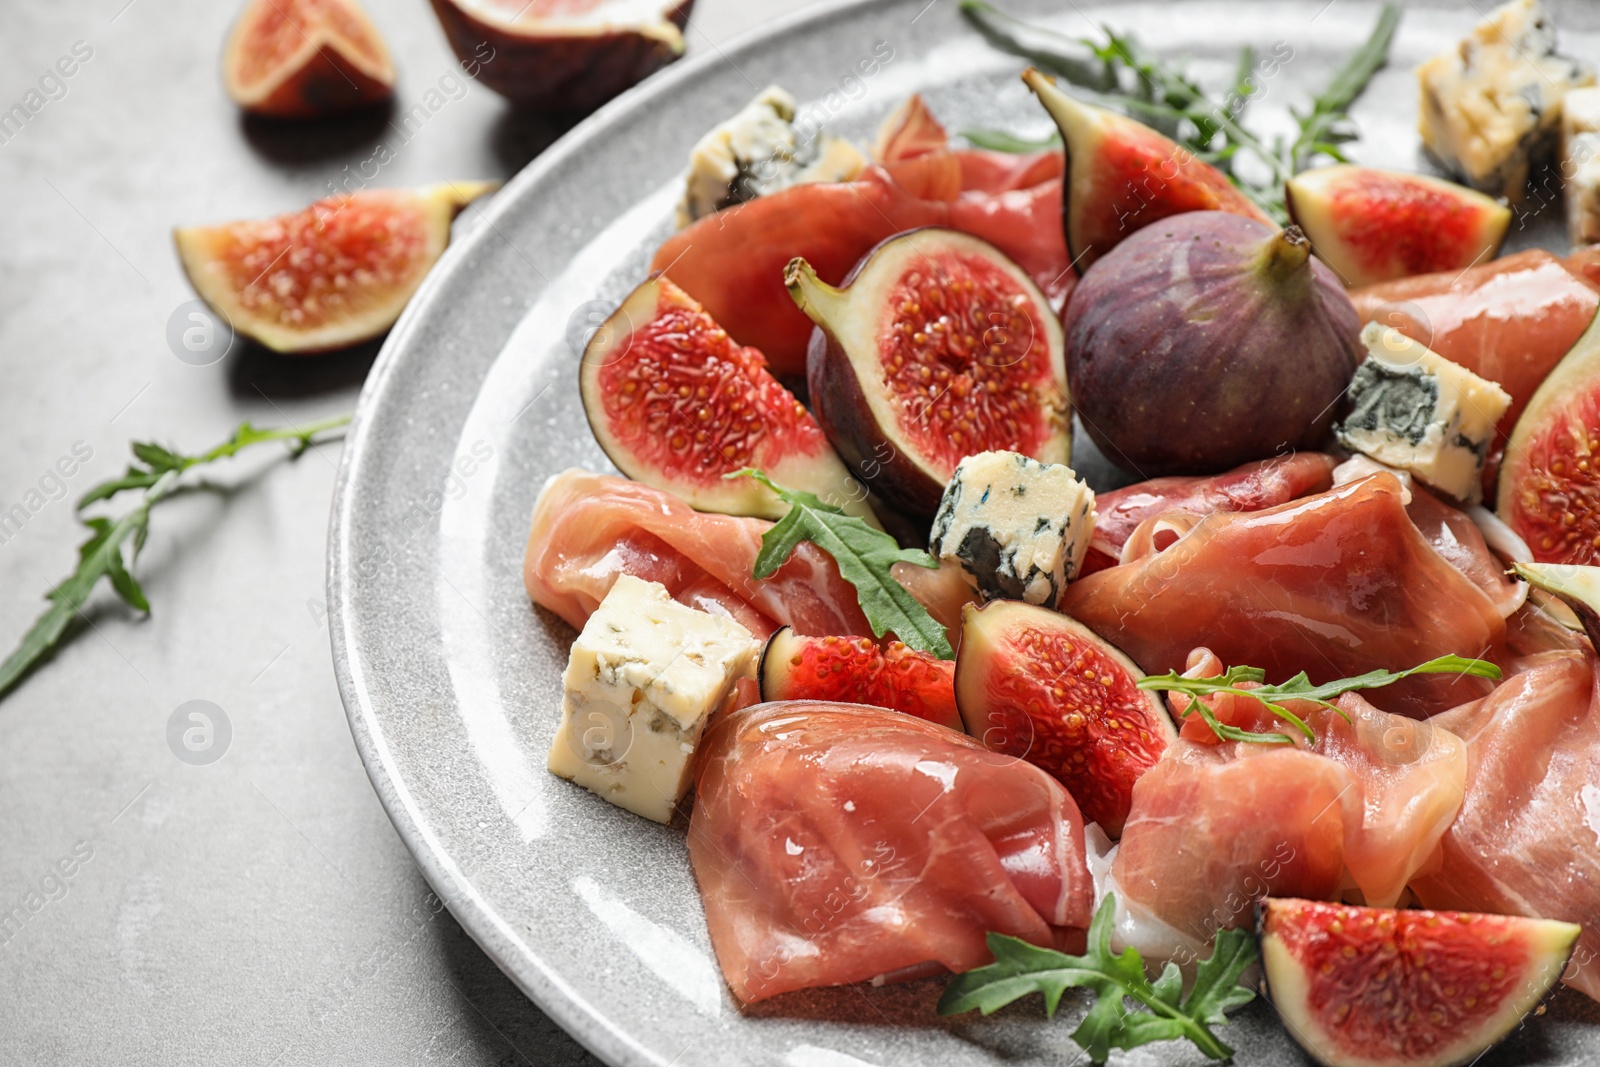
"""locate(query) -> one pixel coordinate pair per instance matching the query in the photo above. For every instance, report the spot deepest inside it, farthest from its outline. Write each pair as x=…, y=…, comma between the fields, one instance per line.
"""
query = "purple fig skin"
x=1207, y=340
x=840, y=408
x=555, y=73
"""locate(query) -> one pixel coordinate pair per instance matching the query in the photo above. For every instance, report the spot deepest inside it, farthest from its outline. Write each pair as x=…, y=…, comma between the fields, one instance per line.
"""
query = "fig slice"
x=1577, y=586
x=1550, y=477
x=1122, y=175
x=1379, y=987
x=1033, y=683
x=331, y=275
x=1375, y=226
x=678, y=404
x=937, y=347
x=563, y=55
x=306, y=59
x=859, y=670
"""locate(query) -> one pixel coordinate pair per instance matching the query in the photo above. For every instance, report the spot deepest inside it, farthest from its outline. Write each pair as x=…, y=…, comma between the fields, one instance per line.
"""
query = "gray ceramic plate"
x=452, y=683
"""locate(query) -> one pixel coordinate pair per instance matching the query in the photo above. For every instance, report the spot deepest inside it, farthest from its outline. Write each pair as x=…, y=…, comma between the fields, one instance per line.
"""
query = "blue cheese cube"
x=1580, y=164
x=1491, y=106
x=642, y=679
x=1018, y=529
x=1412, y=409
x=759, y=151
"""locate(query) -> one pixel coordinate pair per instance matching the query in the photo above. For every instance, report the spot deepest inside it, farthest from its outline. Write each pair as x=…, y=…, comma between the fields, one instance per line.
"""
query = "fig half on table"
x=563, y=55
x=936, y=347
x=306, y=59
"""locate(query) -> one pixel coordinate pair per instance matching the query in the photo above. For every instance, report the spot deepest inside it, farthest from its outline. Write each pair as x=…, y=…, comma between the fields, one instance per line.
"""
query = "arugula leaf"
x=157, y=472
x=1162, y=96
x=1297, y=688
x=864, y=556
x=1021, y=969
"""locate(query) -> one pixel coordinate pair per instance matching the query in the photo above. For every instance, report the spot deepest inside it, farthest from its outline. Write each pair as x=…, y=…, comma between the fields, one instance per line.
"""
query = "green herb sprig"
x=1021, y=969
x=1126, y=75
x=1297, y=688
x=864, y=556
x=108, y=553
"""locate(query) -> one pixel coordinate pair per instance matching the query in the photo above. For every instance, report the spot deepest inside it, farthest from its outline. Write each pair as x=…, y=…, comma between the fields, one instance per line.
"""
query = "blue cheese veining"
x=641, y=681
x=1491, y=106
x=1018, y=529
x=1412, y=409
x=758, y=151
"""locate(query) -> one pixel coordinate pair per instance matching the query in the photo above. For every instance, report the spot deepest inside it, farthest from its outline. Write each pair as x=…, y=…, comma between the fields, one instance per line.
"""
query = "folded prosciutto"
x=1263, y=484
x=1527, y=841
x=1216, y=825
x=1335, y=584
x=589, y=528
x=834, y=843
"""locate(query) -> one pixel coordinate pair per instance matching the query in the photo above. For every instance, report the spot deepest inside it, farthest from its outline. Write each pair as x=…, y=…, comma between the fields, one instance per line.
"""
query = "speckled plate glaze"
x=452, y=682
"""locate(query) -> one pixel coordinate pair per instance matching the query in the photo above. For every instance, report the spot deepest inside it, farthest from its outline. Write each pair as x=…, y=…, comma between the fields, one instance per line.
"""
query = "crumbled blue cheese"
x=642, y=679
x=1580, y=164
x=1412, y=409
x=1491, y=106
x=1018, y=529
x=758, y=151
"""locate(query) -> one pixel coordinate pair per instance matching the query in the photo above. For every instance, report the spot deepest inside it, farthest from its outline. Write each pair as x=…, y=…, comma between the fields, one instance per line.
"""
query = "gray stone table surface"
x=259, y=910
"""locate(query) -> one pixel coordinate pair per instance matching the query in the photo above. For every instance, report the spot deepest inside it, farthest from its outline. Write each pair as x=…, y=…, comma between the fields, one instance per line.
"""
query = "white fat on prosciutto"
x=1527, y=840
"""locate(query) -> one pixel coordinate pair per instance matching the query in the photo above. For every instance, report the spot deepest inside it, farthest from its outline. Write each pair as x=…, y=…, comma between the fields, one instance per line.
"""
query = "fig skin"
x=1207, y=340
x=561, y=71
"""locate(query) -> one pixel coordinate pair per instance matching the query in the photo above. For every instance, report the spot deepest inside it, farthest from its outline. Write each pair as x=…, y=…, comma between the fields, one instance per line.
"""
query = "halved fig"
x=676, y=403
x=331, y=275
x=1378, y=987
x=1122, y=175
x=937, y=347
x=1034, y=683
x=1550, y=477
x=563, y=55
x=306, y=58
x=1378, y=225
x=859, y=670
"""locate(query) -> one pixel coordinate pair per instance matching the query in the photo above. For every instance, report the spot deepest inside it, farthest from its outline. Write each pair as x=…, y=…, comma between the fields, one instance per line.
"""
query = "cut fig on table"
x=678, y=404
x=563, y=55
x=331, y=275
x=1379, y=987
x=1550, y=477
x=936, y=347
x=1036, y=684
x=859, y=670
x=306, y=59
x=1122, y=175
x=1375, y=226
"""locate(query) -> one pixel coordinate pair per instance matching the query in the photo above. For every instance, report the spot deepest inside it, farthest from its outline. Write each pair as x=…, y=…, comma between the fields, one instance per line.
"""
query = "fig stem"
x=1284, y=255
x=810, y=293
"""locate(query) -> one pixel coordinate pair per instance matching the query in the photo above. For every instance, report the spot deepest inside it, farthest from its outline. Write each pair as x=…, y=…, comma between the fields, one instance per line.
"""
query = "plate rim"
x=492, y=932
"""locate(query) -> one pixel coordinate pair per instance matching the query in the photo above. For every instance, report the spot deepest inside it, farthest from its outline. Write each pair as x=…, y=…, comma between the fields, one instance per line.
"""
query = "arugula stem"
x=158, y=473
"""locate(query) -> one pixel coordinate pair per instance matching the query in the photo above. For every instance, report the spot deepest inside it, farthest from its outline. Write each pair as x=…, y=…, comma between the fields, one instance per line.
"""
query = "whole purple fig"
x=1207, y=340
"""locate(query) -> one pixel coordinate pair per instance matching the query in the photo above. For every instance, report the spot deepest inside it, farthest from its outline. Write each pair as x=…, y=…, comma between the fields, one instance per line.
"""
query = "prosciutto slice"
x=1335, y=584
x=1263, y=484
x=1216, y=825
x=1527, y=840
x=835, y=843
x=589, y=528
